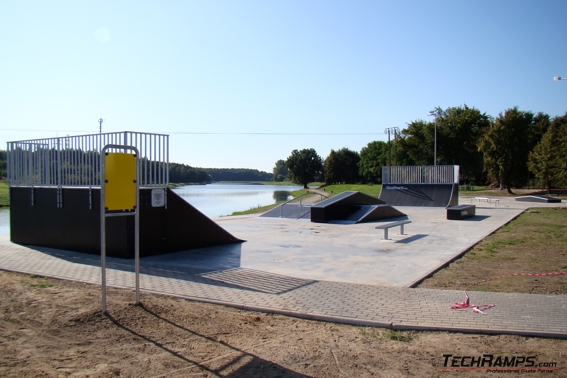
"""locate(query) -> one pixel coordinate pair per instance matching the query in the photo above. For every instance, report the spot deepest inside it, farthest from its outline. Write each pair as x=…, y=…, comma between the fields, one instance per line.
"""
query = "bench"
x=385, y=227
x=496, y=201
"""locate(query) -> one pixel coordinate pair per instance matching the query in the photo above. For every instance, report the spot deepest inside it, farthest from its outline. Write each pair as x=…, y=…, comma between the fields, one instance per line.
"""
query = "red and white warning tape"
x=480, y=309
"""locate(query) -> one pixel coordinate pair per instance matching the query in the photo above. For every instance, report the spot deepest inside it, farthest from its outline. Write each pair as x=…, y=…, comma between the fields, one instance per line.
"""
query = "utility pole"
x=434, y=115
x=389, y=130
x=100, y=121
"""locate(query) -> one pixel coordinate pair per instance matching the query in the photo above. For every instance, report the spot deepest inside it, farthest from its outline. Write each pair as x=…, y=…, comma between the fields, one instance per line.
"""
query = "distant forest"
x=182, y=173
x=238, y=174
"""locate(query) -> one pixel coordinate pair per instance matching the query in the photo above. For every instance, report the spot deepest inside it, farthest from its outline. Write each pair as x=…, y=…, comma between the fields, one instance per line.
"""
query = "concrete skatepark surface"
x=357, y=253
x=332, y=272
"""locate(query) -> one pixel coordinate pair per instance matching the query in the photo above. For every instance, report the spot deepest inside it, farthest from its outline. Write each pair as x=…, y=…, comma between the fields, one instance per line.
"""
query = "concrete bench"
x=479, y=199
x=496, y=201
x=385, y=227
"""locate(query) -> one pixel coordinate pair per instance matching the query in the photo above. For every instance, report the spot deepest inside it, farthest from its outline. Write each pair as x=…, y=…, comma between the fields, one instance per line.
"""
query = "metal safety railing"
x=300, y=197
x=420, y=174
x=75, y=160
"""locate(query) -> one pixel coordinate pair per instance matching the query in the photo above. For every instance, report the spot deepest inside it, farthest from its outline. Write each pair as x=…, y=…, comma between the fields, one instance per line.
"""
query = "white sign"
x=158, y=198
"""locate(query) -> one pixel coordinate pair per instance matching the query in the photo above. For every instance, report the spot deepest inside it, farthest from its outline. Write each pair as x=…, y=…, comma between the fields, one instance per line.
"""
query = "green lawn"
x=4, y=194
x=333, y=190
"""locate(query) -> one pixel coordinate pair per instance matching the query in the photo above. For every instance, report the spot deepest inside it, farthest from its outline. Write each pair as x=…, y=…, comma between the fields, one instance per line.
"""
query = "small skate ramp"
x=289, y=210
x=354, y=207
x=428, y=195
x=539, y=198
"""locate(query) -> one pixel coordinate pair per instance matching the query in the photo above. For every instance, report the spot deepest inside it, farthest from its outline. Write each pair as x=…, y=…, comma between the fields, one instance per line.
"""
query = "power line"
x=208, y=133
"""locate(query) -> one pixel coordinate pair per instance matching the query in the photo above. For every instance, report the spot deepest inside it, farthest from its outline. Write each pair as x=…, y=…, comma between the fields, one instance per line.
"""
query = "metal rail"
x=74, y=161
x=420, y=174
x=300, y=200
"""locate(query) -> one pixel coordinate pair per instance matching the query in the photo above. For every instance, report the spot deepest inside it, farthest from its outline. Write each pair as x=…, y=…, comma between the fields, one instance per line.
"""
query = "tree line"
x=515, y=149
x=178, y=173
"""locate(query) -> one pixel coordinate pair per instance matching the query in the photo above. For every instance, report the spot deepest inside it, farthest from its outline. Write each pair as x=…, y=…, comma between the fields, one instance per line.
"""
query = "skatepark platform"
x=538, y=198
x=324, y=271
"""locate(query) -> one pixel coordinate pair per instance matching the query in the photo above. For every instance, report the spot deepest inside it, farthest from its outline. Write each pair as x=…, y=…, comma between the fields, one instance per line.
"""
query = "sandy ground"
x=53, y=328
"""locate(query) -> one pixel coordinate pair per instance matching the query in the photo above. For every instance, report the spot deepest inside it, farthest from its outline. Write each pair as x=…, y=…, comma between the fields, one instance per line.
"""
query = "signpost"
x=119, y=196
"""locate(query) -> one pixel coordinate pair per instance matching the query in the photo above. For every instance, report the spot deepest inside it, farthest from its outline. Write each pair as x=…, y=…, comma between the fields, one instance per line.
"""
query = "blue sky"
x=240, y=84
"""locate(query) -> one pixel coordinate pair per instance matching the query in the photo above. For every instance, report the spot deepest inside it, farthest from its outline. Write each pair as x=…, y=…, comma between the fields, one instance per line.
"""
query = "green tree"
x=304, y=166
x=548, y=159
x=3, y=164
x=415, y=143
x=372, y=158
x=459, y=130
x=506, y=146
x=342, y=167
x=280, y=171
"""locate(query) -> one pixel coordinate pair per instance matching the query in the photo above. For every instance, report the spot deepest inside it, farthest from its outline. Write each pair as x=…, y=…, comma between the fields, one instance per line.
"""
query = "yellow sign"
x=119, y=182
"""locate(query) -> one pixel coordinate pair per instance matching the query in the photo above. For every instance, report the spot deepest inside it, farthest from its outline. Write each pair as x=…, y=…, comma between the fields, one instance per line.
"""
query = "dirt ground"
x=54, y=328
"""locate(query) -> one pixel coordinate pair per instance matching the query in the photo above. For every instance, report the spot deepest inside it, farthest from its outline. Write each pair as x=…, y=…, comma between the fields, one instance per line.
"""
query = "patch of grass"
x=4, y=198
x=373, y=190
x=42, y=285
x=404, y=336
x=532, y=243
x=254, y=210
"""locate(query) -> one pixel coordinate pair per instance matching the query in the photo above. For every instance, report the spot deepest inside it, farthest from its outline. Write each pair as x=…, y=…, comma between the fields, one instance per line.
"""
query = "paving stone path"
x=358, y=304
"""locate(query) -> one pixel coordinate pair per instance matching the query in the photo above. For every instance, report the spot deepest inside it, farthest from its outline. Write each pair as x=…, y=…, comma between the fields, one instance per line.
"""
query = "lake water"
x=213, y=200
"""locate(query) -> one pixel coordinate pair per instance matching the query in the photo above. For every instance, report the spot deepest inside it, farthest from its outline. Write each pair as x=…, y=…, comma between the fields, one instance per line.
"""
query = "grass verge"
x=535, y=242
x=4, y=201
x=254, y=210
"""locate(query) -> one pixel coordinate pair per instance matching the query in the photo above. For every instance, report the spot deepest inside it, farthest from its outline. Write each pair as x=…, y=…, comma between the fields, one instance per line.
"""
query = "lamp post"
x=432, y=113
x=557, y=78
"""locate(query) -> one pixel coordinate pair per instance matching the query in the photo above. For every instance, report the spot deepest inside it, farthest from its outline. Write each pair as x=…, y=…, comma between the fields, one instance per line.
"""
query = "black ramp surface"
x=369, y=213
x=76, y=225
x=427, y=195
x=340, y=206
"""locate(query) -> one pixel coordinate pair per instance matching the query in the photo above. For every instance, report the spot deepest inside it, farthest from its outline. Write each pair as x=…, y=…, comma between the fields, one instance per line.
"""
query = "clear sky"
x=240, y=84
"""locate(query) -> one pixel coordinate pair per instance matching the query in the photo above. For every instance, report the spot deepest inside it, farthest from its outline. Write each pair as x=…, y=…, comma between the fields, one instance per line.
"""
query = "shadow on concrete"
x=217, y=266
x=476, y=218
x=411, y=239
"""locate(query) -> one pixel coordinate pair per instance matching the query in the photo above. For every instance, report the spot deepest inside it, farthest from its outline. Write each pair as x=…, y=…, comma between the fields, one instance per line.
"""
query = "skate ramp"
x=290, y=211
x=426, y=195
x=538, y=198
x=354, y=207
x=75, y=226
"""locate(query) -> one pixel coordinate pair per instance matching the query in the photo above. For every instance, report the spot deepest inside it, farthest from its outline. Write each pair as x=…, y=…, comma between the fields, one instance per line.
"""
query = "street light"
x=432, y=113
x=557, y=78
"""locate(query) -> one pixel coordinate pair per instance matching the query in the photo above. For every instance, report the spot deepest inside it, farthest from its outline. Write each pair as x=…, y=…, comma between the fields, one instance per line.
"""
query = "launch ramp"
x=427, y=186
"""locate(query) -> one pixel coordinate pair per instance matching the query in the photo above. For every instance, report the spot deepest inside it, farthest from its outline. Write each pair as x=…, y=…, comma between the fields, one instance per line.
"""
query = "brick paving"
x=358, y=304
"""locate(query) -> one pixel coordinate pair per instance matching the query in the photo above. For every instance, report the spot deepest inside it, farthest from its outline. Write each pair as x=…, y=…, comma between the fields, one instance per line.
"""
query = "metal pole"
x=103, y=216
x=102, y=233
x=435, y=146
x=137, y=230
